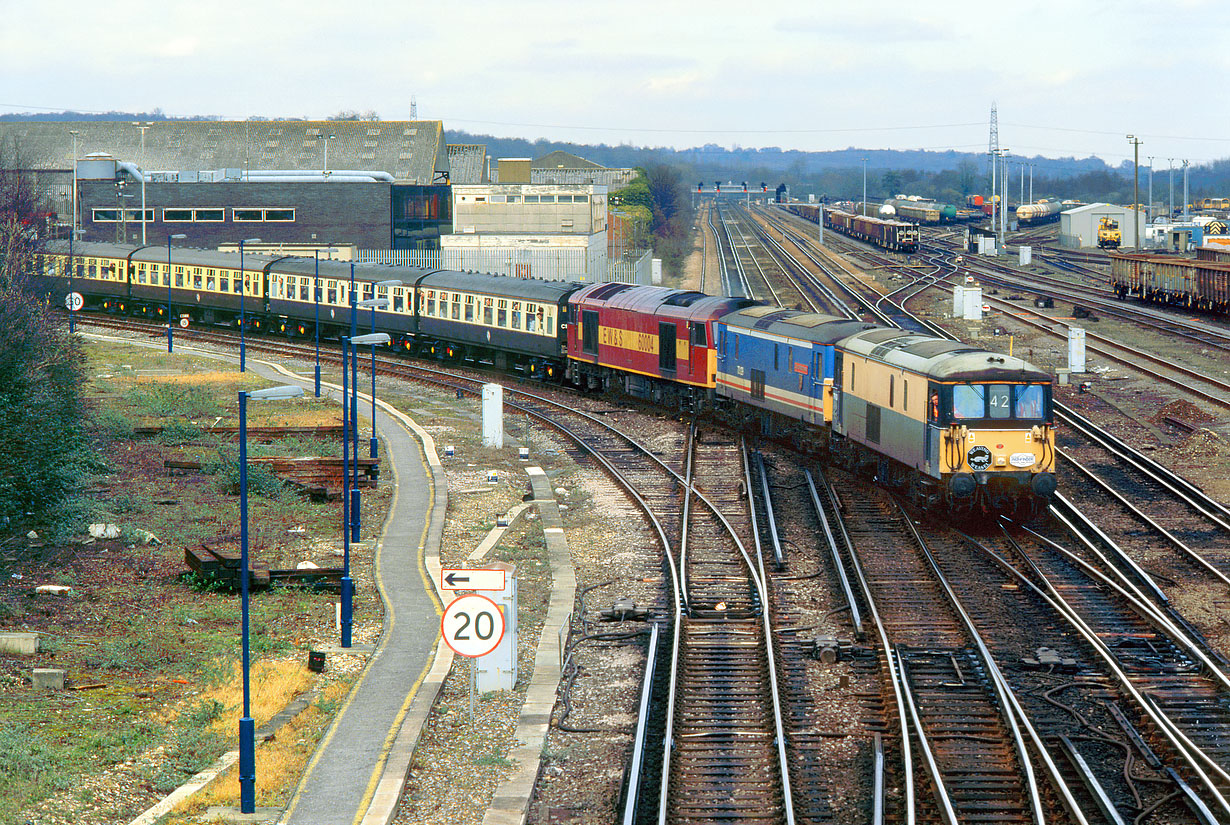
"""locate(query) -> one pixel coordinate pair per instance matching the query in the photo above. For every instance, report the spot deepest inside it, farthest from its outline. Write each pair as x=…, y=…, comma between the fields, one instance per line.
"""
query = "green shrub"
x=112, y=425
x=177, y=431
x=159, y=400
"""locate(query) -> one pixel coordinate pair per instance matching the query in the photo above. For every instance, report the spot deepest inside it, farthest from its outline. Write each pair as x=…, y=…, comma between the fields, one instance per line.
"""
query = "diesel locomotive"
x=949, y=425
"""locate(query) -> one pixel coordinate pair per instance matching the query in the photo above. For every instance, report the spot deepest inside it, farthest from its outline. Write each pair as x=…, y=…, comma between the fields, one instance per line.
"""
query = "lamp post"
x=356, y=516
x=1170, y=165
x=1185, y=193
x=347, y=584
x=74, y=133
x=143, y=127
x=243, y=287
x=247, y=728
x=170, y=311
x=1135, y=141
x=354, y=404
x=316, y=296
x=71, y=266
x=377, y=303
x=326, y=140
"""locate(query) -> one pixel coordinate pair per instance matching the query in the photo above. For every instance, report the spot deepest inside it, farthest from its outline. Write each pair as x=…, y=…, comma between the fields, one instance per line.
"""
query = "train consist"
x=950, y=425
x=898, y=236
x=1201, y=283
x=1038, y=213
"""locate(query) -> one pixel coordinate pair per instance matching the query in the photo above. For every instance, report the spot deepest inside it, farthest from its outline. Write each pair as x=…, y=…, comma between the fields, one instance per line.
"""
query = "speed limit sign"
x=472, y=625
x=74, y=301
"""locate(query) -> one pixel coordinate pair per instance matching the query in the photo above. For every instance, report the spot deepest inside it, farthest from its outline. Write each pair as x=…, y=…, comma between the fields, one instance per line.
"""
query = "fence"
x=547, y=264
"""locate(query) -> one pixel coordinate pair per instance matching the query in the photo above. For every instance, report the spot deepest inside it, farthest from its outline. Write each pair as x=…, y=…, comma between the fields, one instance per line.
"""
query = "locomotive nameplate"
x=979, y=457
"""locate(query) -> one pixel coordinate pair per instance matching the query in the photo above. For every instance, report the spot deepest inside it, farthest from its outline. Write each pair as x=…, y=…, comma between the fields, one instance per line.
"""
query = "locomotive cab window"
x=699, y=338
x=999, y=400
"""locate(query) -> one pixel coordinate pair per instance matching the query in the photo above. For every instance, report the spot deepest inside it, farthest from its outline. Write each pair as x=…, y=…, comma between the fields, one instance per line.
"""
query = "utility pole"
x=74, y=133
x=1185, y=195
x=1031, y=183
x=1135, y=141
x=1022, y=198
x=864, y=186
x=1149, y=205
x=1170, y=214
x=142, y=127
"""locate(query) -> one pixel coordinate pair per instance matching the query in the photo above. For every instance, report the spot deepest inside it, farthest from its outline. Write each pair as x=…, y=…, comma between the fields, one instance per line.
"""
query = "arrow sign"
x=476, y=578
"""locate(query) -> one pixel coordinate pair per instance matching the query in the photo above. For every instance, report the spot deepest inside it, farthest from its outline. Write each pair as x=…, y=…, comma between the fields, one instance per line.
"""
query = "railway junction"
x=756, y=634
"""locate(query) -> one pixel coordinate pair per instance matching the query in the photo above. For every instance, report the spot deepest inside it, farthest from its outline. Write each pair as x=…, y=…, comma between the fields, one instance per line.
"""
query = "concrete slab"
x=229, y=815
x=19, y=644
x=353, y=650
x=47, y=678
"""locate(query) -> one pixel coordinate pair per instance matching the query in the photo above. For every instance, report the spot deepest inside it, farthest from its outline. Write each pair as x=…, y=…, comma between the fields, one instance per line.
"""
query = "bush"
x=179, y=432
x=112, y=425
x=159, y=400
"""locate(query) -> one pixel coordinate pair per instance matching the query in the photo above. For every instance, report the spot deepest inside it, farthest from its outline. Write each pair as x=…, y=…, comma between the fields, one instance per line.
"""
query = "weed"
x=65, y=577
x=172, y=400
x=203, y=713
x=112, y=425
x=124, y=503
x=494, y=760
x=201, y=583
x=178, y=432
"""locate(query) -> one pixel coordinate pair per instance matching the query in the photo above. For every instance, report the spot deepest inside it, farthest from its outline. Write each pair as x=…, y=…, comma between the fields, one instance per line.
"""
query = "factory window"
x=176, y=215
x=531, y=198
x=209, y=215
x=247, y=215
x=514, y=199
x=279, y=214
x=545, y=199
x=480, y=199
x=105, y=215
x=499, y=198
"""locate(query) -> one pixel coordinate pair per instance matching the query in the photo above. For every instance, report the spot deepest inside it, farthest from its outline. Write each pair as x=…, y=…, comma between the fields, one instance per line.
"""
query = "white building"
x=1079, y=227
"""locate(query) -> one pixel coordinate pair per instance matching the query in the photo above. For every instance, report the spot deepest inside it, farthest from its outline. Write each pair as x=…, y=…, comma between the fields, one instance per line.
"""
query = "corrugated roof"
x=467, y=163
x=564, y=160
x=410, y=150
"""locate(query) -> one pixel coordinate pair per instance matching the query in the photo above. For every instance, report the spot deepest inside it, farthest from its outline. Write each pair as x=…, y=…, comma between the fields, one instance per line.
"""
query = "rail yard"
x=791, y=642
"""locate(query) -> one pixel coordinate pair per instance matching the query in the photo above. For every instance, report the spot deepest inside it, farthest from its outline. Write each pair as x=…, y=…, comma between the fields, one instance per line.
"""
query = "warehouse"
x=1079, y=227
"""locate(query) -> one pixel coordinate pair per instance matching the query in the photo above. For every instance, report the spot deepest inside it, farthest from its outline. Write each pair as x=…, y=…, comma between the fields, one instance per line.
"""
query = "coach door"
x=666, y=346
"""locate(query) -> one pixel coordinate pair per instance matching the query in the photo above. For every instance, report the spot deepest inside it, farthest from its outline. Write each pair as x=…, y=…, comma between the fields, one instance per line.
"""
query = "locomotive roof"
x=524, y=289
x=940, y=358
x=659, y=300
x=792, y=323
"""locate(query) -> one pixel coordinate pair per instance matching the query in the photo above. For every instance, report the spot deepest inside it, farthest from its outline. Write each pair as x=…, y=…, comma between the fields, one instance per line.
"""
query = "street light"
x=864, y=209
x=243, y=287
x=316, y=296
x=326, y=140
x=374, y=304
x=247, y=728
x=170, y=312
x=143, y=127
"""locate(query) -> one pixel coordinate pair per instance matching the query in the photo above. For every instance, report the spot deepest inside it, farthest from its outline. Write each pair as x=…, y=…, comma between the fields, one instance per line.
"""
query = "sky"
x=1069, y=78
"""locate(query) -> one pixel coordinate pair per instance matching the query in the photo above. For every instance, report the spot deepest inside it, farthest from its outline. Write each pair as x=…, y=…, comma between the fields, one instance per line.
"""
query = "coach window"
x=487, y=311
x=399, y=300
x=501, y=317
x=431, y=302
x=305, y=293
x=546, y=323
x=197, y=278
x=516, y=315
x=331, y=292
x=140, y=273
x=469, y=309
x=179, y=276
x=456, y=302
x=210, y=280
x=224, y=281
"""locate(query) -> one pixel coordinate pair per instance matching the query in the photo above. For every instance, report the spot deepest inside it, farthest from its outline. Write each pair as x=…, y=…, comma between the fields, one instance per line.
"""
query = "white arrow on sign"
x=472, y=579
x=472, y=625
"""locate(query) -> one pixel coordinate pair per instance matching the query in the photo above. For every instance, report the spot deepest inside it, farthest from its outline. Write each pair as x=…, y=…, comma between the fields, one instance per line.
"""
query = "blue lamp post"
x=171, y=312
x=316, y=296
x=243, y=287
x=375, y=304
x=247, y=728
x=71, y=266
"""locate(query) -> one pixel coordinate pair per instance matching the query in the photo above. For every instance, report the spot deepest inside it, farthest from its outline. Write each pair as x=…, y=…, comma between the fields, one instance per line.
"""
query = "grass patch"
x=165, y=400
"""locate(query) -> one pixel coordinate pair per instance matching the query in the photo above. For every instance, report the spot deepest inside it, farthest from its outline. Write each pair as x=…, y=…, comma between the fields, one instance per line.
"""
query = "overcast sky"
x=1069, y=78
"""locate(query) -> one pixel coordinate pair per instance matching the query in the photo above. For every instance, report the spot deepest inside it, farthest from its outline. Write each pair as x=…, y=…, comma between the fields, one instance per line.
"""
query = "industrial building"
x=1079, y=227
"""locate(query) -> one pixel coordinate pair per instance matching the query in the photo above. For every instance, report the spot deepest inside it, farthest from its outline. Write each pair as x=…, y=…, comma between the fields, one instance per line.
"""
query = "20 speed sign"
x=472, y=625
